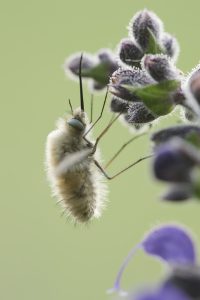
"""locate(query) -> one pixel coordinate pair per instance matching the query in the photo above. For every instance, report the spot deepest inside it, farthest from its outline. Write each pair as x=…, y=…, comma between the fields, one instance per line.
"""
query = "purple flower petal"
x=172, y=244
x=116, y=288
x=164, y=293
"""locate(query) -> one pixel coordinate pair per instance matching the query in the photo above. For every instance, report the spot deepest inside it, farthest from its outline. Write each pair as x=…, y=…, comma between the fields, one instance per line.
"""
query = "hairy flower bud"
x=130, y=53
x=174, y=161
x=178, y=193
x=192, y=90
x=182, y=131
x=96, y=86
x=108, y=58
x=97, y=67
x=73, y=62
x=159, y=67
x=133, y=77
x=195, y=85
x=170, y=45
x=118, y=105
x=142, y=24
x=139, y=113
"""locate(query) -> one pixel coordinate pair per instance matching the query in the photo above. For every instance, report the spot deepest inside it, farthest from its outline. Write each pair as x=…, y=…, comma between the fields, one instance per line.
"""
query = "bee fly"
x=73, y=167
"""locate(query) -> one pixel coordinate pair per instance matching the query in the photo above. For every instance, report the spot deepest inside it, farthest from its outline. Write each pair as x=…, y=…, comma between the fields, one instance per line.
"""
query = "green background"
x=42, y=255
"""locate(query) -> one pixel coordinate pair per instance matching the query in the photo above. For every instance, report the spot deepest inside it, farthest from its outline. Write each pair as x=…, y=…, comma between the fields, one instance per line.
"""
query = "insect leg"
x=104, y=132
x=106, y=96
x=123, y=147
x=70, y=104
x=123, y=170
x=59, y=201
x=91, y=108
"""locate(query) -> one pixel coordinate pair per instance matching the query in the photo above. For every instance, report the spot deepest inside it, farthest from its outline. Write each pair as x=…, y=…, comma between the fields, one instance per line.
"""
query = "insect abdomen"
x=78, y=194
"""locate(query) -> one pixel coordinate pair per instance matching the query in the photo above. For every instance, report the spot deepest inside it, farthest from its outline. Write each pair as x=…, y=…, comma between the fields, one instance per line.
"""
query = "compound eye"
x=76, y=124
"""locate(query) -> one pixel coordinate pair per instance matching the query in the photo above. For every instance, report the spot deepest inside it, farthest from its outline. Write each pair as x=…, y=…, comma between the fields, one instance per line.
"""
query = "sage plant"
x=145, y=86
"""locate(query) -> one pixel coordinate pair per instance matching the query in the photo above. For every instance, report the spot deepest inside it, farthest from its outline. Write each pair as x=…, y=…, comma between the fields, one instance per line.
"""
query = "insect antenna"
x=91, y=108
x=81, y=84
x=70, y=105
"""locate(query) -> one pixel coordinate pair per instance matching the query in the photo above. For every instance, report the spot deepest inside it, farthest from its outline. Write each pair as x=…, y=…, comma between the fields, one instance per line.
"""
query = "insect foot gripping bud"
x=170, y=46
x=130, y=53
x=74, y=178
x=160, y=67
x=143, y=24
x=192, y=90
x=133, y=77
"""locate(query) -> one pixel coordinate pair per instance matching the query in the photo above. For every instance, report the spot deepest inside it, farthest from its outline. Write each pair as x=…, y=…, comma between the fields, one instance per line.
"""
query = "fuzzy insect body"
x=79, y=186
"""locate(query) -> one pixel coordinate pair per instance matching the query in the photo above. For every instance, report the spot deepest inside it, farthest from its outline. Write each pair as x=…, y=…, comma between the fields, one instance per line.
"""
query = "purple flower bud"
x=96, y=86
x=187, y=279
x=140, y=25
x=118, y=105
x=134, y=77
x=182, y=131
x=73, y=62
x=130, y=53
x=174, y=161
x=178, y=193
x=195, y=85
x=108, y=58
x=192, y=90
x=139, y=113
x=98, y=67
x=105, y=55
x=159, y=67
x=170, y=45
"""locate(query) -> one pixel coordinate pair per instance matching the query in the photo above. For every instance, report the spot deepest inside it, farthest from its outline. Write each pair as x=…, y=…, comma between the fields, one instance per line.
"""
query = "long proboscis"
x=81, y=84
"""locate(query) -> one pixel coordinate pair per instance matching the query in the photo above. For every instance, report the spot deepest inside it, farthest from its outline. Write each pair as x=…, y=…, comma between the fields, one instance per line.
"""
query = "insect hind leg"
x=123, y=170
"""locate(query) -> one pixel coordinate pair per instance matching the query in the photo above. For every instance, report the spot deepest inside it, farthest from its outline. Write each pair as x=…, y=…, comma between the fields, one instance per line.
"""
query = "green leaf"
x=156, y=96
x=98, y=73
x=153, y=45
x=196, y=183
x=194, y=139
